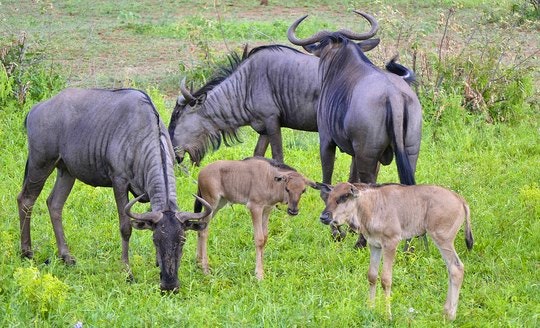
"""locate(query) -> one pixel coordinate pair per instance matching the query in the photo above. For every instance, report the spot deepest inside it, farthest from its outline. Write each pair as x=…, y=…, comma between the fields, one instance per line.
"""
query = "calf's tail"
x=469, y=240
x=197, y=207
x=397, y=134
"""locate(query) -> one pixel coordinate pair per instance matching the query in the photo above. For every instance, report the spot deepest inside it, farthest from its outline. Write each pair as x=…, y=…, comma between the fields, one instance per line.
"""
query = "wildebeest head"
x=194, y=129
x=340, y=204
x=169, y=236
x=294, y=185
x=325, y=41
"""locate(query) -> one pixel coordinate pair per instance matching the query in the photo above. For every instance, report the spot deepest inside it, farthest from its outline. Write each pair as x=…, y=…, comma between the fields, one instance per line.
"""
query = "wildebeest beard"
x=212, y=142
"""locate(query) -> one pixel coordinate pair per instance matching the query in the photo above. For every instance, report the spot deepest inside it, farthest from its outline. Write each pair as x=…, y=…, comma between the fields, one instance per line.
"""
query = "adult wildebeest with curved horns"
x=363, y=111
x=271, y=87
x=107, y=138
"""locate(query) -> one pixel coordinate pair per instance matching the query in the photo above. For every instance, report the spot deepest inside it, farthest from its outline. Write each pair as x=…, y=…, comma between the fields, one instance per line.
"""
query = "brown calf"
x=256, y=182
x=386, y=214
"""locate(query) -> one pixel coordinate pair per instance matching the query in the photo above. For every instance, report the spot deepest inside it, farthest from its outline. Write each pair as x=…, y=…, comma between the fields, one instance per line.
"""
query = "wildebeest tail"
x=469, y=240
x=396, y=133
x=197, y=207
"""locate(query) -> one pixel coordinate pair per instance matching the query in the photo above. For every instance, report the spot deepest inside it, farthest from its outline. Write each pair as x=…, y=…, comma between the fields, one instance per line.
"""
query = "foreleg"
x=259, y=239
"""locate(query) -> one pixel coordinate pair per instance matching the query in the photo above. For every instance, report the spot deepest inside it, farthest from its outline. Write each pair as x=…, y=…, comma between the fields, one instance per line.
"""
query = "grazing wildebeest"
x=269, y=88
x=257, y=182
x=107, y=138
x=386, y=214
x=365, y=112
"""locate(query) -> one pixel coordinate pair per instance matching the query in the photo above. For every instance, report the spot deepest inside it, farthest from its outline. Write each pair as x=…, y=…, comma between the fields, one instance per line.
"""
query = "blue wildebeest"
x=386, y=214
x=365, y=112
x=269, y=88
x=107, y=138
x=257, y=182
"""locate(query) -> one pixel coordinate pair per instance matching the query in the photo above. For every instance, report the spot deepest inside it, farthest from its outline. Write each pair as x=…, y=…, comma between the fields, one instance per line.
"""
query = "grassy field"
x=477, y=64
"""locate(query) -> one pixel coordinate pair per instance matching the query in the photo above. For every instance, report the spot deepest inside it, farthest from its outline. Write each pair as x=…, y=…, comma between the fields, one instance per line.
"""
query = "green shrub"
x=24, y=76
x=43, y=292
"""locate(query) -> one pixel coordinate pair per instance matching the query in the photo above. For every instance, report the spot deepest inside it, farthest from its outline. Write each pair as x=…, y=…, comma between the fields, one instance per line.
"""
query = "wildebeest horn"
x=362, y=36
x=291, y=34
x=320, y=35
x=151, y=216
x=184, y=216
x=185, y=92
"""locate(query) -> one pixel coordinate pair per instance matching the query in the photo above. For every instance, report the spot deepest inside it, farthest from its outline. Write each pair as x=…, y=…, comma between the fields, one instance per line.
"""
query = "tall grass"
x=490, y=155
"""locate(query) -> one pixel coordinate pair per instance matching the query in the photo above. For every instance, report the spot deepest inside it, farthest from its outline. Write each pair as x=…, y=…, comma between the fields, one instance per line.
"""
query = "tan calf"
x=386, y=214
x=256, y=182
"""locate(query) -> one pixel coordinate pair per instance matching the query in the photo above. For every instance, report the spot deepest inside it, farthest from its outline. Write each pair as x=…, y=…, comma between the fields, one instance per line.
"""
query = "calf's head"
x=169, y=236
x=340, y=203
x=294, y=185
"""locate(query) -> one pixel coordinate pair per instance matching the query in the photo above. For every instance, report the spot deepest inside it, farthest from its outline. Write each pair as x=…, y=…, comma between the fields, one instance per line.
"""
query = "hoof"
x=68, y=259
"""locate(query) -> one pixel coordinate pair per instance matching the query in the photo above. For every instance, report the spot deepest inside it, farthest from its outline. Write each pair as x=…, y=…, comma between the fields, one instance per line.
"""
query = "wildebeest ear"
x=369, y=44
x=314, y=185
x=354, y=192
x=313, y=49
x=325, y=190
x=142, y=224
x=195, y=225
x=201, y=99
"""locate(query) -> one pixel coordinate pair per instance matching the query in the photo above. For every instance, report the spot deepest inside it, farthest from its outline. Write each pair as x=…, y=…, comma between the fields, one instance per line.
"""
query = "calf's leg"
x=259, y=239
x=55, y=202
x=455, y=278
x=373, y=272
x=389, y=252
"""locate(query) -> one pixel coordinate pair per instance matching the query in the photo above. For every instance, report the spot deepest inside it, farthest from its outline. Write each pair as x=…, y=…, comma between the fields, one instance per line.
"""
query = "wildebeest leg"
x=328, y=155
x=455, y=277
x=55, y=202
x=262, y=145
x=274, y=135
x=373, y=272
x=120, y=189
x=34, y=180
x=258, y=236
x=389, y=252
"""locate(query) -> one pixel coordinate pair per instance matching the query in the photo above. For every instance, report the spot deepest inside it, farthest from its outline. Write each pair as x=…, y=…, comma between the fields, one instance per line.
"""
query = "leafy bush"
x=24, y=76
x=43, y=293
x=482, y=73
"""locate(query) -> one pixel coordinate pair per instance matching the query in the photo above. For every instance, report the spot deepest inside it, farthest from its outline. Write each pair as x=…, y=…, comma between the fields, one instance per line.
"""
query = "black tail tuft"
x=405, y=171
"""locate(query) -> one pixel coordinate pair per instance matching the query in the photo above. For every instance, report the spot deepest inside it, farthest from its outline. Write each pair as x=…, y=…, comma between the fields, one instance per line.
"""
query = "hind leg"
x=55, y=202
x=455, y=278
x=34, y=180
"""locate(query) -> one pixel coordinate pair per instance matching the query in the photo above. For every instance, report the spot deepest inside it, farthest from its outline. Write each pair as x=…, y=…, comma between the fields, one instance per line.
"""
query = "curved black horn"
x=186, y=216
x=291, y=34
x=152, y=216
x=320, y=35
x=185, y=92
x=362, y=36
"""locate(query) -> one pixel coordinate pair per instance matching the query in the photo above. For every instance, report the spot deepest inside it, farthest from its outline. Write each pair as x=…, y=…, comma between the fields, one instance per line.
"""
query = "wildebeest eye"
x=342, y=199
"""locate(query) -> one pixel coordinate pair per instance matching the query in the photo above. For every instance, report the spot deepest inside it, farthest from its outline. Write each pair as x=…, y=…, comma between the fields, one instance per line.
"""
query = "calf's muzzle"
x=326, y=217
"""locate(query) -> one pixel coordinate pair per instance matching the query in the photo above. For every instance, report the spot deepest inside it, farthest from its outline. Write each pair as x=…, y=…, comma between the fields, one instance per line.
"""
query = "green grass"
x=310, y=280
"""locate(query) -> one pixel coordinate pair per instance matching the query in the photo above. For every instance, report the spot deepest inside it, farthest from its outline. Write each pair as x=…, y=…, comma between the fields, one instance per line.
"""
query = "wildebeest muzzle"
x=326, y=217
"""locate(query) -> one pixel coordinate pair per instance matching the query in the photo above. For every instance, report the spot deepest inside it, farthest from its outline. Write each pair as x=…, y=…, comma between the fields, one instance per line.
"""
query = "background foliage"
x=477, y=64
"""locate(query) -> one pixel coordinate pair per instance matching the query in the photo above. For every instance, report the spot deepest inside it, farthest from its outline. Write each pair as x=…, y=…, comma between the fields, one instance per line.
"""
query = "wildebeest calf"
x=257, y=182
x=386, y=214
